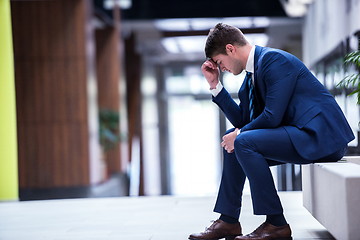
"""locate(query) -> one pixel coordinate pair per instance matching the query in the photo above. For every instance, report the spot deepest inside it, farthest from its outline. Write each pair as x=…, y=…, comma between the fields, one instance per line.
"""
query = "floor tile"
x=137, y=218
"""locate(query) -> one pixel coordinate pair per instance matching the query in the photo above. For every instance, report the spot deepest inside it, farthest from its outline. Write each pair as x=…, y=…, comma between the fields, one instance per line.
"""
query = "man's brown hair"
x=221, y=35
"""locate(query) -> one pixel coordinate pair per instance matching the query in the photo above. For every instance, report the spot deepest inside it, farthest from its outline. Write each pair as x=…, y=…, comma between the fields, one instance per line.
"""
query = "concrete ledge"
x=352, y=159
x=331, y=193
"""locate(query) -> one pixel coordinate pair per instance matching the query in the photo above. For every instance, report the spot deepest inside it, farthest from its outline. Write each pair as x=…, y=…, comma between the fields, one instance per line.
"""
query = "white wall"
x=328, y=23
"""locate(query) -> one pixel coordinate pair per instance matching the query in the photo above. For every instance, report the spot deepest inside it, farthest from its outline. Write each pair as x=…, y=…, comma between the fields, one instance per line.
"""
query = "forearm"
x=230, y=108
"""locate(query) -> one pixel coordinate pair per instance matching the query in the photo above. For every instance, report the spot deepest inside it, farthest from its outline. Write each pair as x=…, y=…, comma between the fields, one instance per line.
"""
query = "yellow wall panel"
x=8, y=141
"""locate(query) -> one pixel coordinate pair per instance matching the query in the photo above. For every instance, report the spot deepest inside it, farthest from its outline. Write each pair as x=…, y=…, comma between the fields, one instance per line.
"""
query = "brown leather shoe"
x=266, y=231
x=219, y=229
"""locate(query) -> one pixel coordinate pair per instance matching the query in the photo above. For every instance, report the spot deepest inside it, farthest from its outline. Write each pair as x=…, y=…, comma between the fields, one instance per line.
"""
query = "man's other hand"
x=228, y=141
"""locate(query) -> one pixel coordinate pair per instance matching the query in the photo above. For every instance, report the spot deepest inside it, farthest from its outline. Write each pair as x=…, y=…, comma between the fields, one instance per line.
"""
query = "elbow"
x=272, y=119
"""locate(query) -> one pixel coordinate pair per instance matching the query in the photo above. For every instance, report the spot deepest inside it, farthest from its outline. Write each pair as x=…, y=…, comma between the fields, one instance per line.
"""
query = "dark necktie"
x=250, y=85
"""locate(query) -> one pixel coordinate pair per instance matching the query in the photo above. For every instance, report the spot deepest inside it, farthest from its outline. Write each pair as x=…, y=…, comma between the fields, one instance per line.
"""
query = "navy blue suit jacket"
x=288, y=95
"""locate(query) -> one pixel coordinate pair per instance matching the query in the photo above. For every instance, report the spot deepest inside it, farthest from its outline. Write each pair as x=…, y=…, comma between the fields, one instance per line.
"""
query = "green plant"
x=352, y=81
x=108, y=129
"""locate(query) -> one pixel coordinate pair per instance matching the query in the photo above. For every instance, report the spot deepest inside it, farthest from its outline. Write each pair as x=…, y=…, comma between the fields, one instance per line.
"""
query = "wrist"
x=216, y=90
x=213, y=85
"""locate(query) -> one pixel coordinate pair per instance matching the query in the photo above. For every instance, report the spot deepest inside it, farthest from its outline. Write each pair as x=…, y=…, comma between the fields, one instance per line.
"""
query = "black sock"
x=228, y=219
x=276, y=220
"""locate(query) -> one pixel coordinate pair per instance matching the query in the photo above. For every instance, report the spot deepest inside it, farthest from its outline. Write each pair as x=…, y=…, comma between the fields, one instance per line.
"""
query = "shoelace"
x=213, y=223
x=258, y=228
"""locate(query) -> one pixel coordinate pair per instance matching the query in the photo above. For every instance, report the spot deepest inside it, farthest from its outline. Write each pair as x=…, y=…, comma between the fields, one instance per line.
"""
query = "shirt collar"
x=250, y=61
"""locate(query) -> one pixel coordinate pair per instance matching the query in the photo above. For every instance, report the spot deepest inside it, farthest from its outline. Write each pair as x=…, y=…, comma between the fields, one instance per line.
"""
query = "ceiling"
x=170, y=40
x=162, y=9
x=170, y=30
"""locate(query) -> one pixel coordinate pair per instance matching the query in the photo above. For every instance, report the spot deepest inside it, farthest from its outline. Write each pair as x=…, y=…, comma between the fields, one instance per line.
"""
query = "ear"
x=230, y=49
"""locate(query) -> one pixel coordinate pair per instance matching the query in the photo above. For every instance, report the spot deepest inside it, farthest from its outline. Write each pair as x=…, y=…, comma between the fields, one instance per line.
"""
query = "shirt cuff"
x=217, y=89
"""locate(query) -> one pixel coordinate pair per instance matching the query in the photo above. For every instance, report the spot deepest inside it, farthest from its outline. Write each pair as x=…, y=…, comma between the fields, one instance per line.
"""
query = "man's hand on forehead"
x=212, y=63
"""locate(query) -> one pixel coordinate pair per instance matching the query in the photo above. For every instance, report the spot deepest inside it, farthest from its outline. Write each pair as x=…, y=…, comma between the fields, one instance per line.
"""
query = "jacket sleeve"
x=279, y=75
x=233, y=111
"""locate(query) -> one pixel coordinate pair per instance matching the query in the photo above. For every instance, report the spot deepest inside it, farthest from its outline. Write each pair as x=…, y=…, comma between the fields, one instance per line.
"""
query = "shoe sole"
x=226, y=238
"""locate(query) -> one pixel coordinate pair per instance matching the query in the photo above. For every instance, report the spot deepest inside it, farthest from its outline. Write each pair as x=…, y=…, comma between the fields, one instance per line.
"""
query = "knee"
x=243, y=148
x=243, y=142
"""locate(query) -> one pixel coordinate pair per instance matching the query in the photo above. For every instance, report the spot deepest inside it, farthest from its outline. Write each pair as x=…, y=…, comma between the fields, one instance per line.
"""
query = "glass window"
x=187, y=80
x=195, y=165
x=233, y=83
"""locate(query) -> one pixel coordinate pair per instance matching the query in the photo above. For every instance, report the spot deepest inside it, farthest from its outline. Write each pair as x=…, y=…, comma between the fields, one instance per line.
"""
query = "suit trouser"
x=254, y=152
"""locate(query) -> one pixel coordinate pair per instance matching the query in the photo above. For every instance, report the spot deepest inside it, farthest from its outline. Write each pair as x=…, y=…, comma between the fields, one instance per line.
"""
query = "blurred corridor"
x=109, y=96
x=105, y=98
x=110, y=100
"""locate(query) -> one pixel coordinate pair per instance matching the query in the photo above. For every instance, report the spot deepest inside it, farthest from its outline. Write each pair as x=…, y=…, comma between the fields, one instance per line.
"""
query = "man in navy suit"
x=285, y=115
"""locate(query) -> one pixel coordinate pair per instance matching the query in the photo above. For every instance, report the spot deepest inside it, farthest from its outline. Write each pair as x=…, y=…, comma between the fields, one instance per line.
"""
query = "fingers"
x=226, y=147
x=224, y=138
x=228, y=141
x=209, y=64
x=228, y=136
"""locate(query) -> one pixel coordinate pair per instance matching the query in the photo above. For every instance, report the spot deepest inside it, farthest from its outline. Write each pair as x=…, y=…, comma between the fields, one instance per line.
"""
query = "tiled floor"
x=143, y=218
